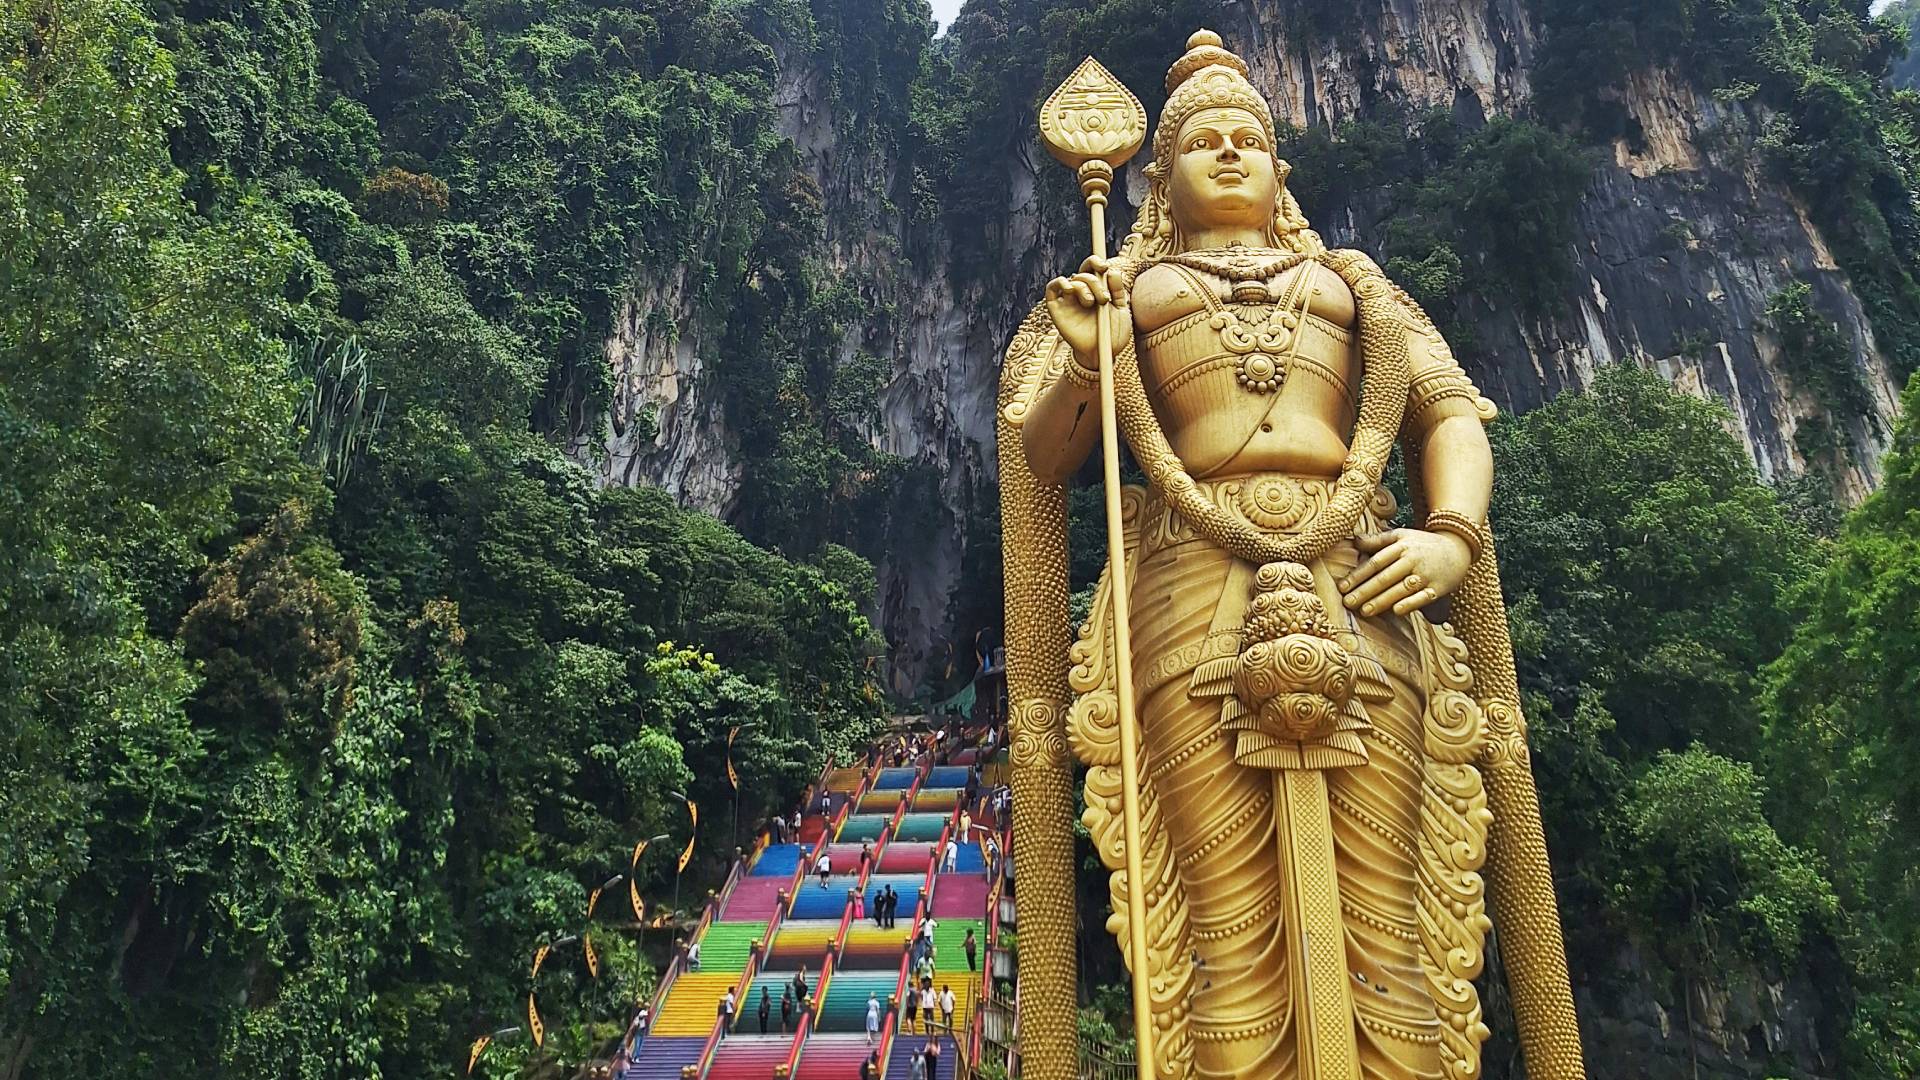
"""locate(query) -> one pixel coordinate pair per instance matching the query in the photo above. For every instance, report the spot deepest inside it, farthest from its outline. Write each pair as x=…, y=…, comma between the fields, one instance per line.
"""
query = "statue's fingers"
x=1079, y=290
x=1098, y=283
x=1380, y=561
x=1417, y=601
x=1117, y=287
x=1385, y=579
x=1407, y=586
x=1056, y=288
x=1371, y=542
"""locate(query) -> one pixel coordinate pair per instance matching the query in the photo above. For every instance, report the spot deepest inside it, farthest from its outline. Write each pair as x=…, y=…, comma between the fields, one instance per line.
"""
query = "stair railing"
x=799, y=1046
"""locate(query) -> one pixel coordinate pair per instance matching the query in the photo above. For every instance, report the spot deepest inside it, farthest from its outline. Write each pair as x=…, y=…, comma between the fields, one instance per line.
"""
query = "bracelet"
x=1457, y=524
x=1085, y=378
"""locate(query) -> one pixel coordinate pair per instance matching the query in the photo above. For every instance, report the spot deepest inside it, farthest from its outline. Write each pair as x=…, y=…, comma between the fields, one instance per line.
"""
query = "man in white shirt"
x=927, y=1002
x=823, y=866
x=946, y=1006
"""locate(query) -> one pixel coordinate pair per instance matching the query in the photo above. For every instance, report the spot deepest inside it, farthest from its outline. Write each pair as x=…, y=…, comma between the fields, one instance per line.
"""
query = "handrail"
x=705, y=1060
x=886, y=1038
x=840, y=936
x=826, y=976
x=799, y=1046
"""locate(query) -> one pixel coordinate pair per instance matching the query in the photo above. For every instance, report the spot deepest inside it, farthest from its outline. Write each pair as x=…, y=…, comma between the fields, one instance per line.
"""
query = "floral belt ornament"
x=1293, y=704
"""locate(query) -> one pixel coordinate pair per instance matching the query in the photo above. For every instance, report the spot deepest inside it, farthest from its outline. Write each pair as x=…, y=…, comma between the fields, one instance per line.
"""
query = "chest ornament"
x=1257, y=326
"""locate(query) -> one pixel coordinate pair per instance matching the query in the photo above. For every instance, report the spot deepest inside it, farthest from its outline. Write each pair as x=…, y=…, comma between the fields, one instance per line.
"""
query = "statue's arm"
x=1065, y=422
x=1444, y=420
x=1407, y=569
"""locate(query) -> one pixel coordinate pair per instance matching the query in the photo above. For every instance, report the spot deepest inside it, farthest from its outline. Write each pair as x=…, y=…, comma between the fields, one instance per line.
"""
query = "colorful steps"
x=811, y=902
x=900, y=1066
x=880, y=802
x=903, y=857
x=959, y=896
x=870, y=946
x=749, y=1057
x=754, y=899
x=897, y=778
x=662, y=1058
x=726, y=945
x=833, y=1056
x=776, y=860
x=846, y=1006
x=921, y=827
x=693, y=1003
x=802, y=942
x=906, y=886
x=865, y=827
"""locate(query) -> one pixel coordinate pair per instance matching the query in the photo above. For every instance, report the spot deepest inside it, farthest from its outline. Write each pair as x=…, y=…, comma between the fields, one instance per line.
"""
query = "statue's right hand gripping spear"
x=1093, y=124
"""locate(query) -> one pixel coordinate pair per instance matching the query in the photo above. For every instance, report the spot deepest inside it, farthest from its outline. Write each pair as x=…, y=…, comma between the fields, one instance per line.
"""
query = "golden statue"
x=1294, y=772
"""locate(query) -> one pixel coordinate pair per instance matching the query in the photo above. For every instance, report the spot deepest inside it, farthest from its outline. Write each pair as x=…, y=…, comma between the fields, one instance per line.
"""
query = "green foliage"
x=1488, y=211
x=1840, y=705
x=1648, y=573
x=1710, y=857
x=327, y=686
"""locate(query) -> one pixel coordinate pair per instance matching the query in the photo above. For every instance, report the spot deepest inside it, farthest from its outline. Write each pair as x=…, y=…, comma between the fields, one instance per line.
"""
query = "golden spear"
x=1093, y=124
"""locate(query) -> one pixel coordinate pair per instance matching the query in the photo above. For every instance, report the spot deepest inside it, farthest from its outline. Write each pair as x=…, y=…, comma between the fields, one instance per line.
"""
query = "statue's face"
x=1223, y=173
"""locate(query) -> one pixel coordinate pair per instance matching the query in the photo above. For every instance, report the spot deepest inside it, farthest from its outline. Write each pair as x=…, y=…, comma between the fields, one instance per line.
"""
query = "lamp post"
x=679, y=863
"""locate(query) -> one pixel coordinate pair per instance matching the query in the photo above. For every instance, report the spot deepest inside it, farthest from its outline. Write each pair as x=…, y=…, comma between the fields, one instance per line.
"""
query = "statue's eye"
x=1199, y=143
x=1251, y=142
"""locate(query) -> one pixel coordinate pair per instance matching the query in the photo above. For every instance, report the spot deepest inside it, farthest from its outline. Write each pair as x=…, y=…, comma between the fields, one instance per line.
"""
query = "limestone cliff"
x=1681, y=241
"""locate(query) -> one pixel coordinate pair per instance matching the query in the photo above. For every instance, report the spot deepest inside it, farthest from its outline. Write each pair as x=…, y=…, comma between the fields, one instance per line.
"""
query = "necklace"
x=1240, y=264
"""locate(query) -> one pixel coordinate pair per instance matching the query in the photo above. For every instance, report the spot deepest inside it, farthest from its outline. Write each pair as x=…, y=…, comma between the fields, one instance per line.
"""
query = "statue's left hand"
x=1409, y=569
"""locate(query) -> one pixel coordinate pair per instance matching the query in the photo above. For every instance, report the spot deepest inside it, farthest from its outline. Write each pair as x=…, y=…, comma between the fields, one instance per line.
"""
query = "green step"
x=726, y=945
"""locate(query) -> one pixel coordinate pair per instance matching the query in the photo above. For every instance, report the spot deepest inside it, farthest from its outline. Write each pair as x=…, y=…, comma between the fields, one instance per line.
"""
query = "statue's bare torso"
x=1302, y=429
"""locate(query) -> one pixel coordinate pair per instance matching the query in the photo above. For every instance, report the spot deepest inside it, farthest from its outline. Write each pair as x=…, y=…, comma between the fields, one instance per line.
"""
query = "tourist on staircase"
x=766, y=1009
x=873, y=1017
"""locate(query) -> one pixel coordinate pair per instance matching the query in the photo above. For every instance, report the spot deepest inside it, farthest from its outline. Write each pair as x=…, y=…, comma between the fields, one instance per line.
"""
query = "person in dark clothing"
x=870, y=1068
x=878, y=907
x=932, y=1053
x=971, y=947
x=800, y=987
x=786, y=1008
x=766, y=1009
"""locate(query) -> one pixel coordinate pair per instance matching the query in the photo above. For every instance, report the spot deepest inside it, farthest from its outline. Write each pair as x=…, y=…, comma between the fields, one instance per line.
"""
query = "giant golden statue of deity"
x=1296, y=770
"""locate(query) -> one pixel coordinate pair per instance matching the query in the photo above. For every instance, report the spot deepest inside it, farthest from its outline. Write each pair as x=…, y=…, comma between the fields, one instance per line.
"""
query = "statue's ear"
x=1282, y=168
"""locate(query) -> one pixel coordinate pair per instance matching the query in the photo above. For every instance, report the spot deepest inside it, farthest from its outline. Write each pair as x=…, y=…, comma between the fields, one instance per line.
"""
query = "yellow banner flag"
x=539, y=957
x=732, y=776
x=693, y=826
x=638, y=850
x=593, y=898
x=593, y=958
x=633, y=894
x=534, y=1025
x=479, y=1047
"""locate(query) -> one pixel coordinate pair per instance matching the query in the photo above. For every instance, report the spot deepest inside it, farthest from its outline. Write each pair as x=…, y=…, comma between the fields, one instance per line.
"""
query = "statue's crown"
x=1206, y=76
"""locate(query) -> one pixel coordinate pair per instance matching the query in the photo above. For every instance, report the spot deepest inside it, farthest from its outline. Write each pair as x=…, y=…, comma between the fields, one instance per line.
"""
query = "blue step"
x=900, y=778
x=777, y=860
x=662, y=1058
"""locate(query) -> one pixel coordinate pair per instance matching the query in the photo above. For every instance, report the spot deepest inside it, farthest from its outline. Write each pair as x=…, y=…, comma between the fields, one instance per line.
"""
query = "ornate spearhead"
x=1093, y=117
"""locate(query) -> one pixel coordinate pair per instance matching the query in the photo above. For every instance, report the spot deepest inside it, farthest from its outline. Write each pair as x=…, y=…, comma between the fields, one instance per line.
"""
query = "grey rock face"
x=1681, y=242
